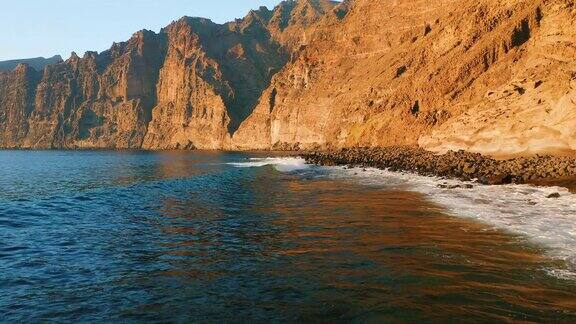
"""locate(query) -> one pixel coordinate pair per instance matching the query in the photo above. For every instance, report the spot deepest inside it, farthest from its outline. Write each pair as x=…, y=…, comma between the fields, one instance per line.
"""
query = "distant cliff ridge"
x=37, y=63
x=485, y=76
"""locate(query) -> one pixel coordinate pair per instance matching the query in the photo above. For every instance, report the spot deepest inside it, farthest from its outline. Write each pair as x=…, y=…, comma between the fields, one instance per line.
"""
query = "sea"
x=228, y=237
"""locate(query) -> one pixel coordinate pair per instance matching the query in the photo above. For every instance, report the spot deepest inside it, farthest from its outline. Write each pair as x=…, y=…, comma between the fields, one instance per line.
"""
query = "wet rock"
x=454, y=165
x=497, y=179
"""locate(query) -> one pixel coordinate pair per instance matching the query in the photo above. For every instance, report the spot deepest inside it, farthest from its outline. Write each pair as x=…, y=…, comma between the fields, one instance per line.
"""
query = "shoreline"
x=544, y=170
x=540, y=170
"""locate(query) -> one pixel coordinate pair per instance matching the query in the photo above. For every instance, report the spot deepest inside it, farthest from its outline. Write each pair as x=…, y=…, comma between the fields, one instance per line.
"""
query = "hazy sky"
x=32, y=28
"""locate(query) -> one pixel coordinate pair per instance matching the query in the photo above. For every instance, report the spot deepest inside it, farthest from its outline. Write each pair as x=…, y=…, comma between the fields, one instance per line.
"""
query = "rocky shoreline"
x=456, y=165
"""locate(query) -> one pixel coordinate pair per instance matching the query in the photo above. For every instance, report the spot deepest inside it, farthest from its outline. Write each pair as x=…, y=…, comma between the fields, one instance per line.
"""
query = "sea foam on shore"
x=544, y=216
x=518, y=209
x=283, y=164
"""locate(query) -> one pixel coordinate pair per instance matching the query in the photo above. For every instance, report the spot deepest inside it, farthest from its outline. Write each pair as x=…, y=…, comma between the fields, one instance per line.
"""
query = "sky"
x=33, y=28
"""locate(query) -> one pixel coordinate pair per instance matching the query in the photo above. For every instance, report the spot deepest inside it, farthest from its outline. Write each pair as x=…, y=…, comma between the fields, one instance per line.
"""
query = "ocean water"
x=241, y=237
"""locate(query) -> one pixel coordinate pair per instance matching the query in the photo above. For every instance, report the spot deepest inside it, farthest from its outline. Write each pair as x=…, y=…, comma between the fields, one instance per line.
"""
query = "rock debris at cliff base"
x=458, y=165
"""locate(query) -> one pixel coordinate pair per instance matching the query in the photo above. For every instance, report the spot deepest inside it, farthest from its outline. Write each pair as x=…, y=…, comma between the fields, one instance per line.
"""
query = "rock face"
x=526, y=101
x=190, y=86
x=100, y=100
x=211, y=78
x=487, y=76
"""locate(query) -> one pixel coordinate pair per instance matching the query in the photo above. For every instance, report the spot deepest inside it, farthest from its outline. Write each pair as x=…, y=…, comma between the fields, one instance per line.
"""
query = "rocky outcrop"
x=189, y=86
x=211, y=79
x=526, y=102
x=17, y=103
x=456, y=165
x=100, y=100
x=407, y=72
x=487, y=76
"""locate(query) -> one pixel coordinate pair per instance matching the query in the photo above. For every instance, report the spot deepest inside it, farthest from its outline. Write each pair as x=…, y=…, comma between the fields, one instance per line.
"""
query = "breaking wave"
x=546, y=216
x=523, y=210
x=282, y=164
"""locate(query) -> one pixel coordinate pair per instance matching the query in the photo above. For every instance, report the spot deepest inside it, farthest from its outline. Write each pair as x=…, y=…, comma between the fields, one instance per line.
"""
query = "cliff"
x=189, y=86
x=487, y=76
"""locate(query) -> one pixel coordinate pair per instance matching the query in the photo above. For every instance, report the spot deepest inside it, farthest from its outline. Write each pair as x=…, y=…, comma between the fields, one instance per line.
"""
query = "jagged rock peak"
x=144, y=33
x=307, y=7
x=263, y=13
x=193, y=22
x=191, y=25
x=143, y=36
x=22, y=68
x=73, y=57
x=90, y=55
x=261, y=16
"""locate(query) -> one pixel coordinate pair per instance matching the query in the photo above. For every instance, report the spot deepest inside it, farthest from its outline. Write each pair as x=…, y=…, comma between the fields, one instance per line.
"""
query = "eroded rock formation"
x=487, y=76
x=189, y=86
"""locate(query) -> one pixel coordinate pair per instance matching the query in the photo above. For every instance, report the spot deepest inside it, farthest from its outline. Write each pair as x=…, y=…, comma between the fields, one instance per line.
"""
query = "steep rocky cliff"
x=525, y=102
x=100, y=100
x=189, y=86
x=489, y=76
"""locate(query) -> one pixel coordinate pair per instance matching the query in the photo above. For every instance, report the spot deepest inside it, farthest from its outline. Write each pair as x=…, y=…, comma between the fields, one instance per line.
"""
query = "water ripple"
x=204, y=237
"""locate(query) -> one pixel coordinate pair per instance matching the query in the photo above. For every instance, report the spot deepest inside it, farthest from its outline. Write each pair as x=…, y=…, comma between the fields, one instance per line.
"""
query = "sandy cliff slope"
x=526, y=103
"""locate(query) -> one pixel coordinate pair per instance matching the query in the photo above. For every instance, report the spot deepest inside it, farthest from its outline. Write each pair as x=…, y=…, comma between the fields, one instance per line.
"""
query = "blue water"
x=191, y=237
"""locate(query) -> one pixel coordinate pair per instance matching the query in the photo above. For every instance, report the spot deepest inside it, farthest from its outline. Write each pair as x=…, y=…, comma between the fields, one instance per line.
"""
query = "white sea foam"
x=519, y=209
x=282, y=164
